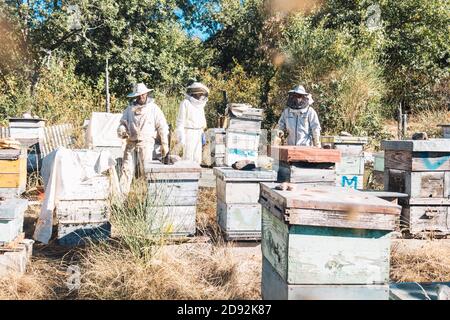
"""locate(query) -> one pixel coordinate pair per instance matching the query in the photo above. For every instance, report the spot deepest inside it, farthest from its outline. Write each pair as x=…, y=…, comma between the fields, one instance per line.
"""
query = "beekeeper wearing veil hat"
x=299, y=120
x=191, y=121
x=141, y=122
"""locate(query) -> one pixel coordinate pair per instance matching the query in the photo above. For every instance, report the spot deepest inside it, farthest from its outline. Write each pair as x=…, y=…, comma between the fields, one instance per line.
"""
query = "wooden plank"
x=9, y=154
x=378, y=162
x=237, y=192
x=318, y=255
x=329, y=198
x=96, y=188
x=242, y=140
x=11, y=209
x=10, y=229
x=423, y=187
x=299, y=175
x=173, y=193
x=341, y=219
x=82, y=211
x=423, y=219
x=172, y=220
x=73, y=234
x=349, y=150
x=244, y=124
x=10, y=180
x=230, y=174
x=344, y=140
x=235, y=218
x=305, y=154
x=234, y=155
x=431, y=145
x=10, y=166
x=417, y=161
x=273, y=287
x=350, y=165
x=274, y=242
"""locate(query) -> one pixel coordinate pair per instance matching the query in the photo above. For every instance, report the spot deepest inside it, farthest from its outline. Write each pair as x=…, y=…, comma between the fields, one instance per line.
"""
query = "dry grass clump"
x=190, y=271
x=39, y=282
x=427, y=263
x=206, y=214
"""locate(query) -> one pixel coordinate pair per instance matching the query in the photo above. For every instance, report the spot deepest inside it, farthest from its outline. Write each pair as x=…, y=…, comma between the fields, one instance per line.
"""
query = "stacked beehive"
x=238, y=207
x=350, y=170
x=325, y=242
x=420, y=168
x=83, y=212
x=243, y=136
x=13, y=172
x=305, y=165
x=31, y=134
x=173, y=191
x=15, y=251
x=215, y=147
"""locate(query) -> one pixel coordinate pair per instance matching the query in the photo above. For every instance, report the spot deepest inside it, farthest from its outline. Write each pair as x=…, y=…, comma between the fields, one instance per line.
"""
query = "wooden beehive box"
x=13, y=172
x=420, y=168
x=12, y=213
x=173, y=190
x=327, y=236
x=238, y=208
x=350, y=170
x=15, y=259
x=24, y=128
x=241, y=145
x=214, y=150
x=305, y=165
x=83, y=212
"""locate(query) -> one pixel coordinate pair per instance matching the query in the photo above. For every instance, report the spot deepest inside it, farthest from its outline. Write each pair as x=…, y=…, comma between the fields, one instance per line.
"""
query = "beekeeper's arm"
x=122, y=130
x=315, y=128
x=162, y=128
x=281, y=127
x=180, y=123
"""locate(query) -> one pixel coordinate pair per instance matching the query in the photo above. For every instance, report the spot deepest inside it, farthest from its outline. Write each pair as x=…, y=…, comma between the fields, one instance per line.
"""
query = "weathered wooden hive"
x=305, y=165
x=238, y=207
x=215, y=147
x=173, y=191
x=350, y=170
x=83, y=212
x=420, y=168
x=325, y=242
x=15, y=251
x=243, y=136
x=13, y=172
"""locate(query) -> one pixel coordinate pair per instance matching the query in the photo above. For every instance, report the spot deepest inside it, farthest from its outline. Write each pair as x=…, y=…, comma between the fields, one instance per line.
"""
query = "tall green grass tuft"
x=136, y=222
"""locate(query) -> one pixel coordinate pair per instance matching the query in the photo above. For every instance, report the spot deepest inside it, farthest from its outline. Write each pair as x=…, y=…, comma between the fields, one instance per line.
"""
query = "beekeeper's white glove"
x=122, y=132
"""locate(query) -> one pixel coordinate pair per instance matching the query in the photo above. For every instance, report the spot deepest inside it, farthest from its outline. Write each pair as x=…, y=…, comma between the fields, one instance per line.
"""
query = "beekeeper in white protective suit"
x=299, y=120
x=191, y=121
x=140, y=124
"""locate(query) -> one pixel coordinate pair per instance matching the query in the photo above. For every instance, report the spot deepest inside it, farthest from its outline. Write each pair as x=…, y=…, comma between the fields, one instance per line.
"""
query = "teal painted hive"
x=326, y=237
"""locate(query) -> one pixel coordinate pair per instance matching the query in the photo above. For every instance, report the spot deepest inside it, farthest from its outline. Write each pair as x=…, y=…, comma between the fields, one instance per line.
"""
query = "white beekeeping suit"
x=140, y=124
x=191, y=121
x=300, y=120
